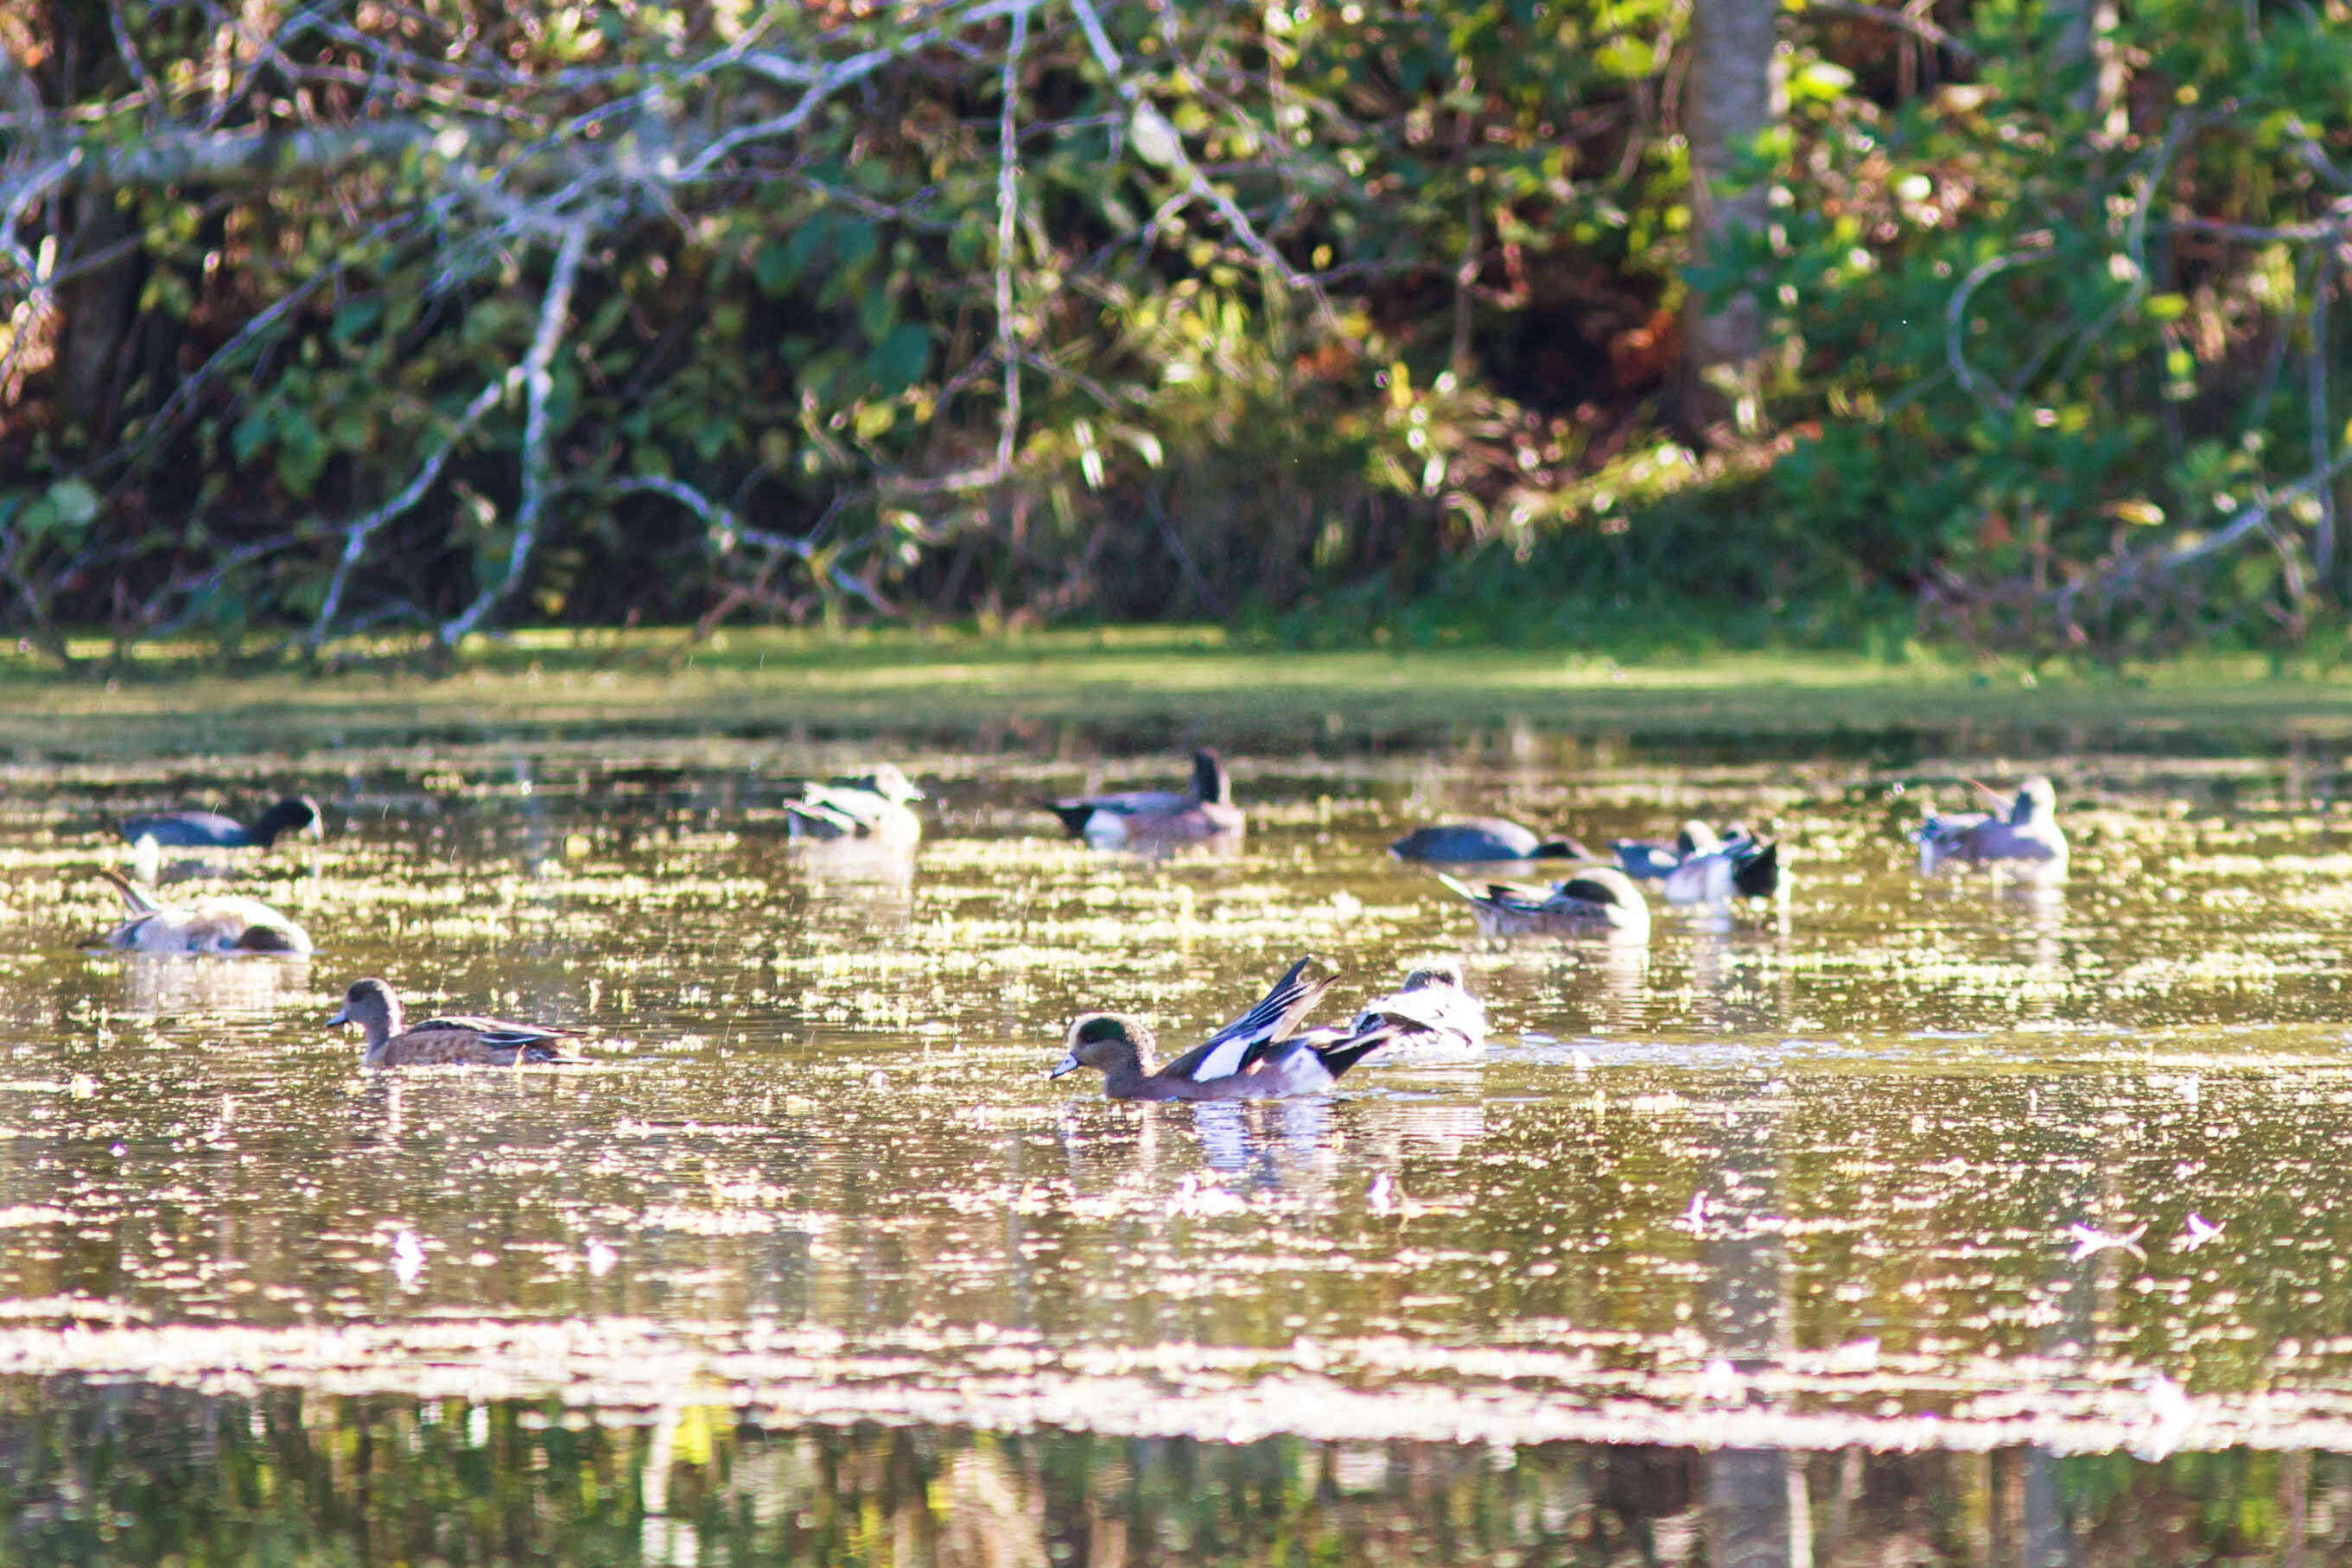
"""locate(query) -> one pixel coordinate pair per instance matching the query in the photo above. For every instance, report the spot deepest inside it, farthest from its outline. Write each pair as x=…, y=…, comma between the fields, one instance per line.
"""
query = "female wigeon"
x=456, y=1041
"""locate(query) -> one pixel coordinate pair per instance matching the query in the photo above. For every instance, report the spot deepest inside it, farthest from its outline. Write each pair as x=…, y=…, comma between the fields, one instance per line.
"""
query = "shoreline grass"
x=1140, y=687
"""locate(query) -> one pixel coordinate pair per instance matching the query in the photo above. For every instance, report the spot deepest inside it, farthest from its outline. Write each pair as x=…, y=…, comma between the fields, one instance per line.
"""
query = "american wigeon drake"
x=1433, y=1016
x=2028, y=835
x=1253, y=1057
x=873, y=807
x=1155, y=815
x=1595, y=901
x=456, y=1041
x=220, y=923
x=1742, y=867
x=1485, y=840
x=1652, y=860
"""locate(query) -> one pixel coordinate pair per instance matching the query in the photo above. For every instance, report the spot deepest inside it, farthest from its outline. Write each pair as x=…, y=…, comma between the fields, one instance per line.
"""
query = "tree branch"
x=1991, y=397
x=1166, y=143
x=357, y=533
x=1902, y=21
x=537, y=383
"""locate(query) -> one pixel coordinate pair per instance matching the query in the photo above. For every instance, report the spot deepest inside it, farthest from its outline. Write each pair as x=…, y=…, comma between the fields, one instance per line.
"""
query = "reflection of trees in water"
x=133, y=1473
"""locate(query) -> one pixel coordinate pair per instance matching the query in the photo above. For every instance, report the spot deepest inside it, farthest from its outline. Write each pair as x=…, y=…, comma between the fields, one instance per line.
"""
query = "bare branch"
x=1008, y=214
x=1196, y=183
x=831, y=79
x=1906, y=21
x=2323, y=534
x=536, y=383
x=1955, y=320
x=361, y=530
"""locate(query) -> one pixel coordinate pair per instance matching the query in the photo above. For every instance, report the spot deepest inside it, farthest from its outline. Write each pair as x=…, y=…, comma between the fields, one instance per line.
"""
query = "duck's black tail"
x=1073, y=814
x=1759, y=876
x=1345, y=1051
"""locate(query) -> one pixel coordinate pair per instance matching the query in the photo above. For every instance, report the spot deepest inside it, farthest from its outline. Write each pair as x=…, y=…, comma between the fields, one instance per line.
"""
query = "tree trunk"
x=1728, y=103
x=100, y=309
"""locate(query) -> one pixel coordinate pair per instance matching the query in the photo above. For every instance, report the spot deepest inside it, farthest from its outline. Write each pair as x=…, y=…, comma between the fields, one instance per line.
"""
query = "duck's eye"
x=355, y=994
x=1094, y=1031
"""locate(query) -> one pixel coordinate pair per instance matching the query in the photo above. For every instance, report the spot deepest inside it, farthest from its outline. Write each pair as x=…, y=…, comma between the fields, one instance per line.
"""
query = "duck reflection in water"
x=160, y=985
x=1281, y=1145
x=856, y=886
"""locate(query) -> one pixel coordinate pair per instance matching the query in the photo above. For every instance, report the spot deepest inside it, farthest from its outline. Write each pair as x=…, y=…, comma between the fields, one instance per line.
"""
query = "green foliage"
x=1345, y=321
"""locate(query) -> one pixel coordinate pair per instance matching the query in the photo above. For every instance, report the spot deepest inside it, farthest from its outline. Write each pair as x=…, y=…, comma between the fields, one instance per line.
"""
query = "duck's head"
x=894, y=786
x=2036, y=803
x=1105, y=1041
x=1210, y=780
x=371, y=1005
x=1436, y=972
x=295, y=813
x=1603, y=884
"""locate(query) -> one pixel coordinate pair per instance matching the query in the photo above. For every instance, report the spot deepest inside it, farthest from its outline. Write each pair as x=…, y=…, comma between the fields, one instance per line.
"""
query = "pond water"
x=1854, y=1231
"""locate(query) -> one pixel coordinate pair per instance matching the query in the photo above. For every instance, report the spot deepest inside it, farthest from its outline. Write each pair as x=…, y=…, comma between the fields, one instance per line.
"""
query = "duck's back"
x=473, y=1043
x=1477, y=839
x=186, y=829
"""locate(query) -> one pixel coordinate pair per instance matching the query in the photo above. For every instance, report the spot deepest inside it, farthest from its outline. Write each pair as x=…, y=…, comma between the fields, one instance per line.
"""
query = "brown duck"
x=456, y=1041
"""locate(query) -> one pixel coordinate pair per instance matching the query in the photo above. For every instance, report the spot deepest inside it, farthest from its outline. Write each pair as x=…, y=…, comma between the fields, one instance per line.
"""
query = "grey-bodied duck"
x=451, y=1041
x=1594, y=900
x=1485, y=840
x=1157, y=816
x=219, y=924
x=873, y=807
x=1255, y=1057
x=2027, y=835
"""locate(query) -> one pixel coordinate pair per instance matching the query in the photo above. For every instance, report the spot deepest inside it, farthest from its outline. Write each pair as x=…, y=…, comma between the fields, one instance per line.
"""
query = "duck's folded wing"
x=184, y=830
x=1947, y=830
x=855, y=804
x=504, y=1034
x=1645, y=858
x=1136, y=803
x=1503, y=895
x=1241, y=1042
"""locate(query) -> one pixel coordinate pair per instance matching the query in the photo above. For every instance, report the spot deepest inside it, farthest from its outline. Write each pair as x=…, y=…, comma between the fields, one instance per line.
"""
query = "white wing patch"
x=1223, y=1061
